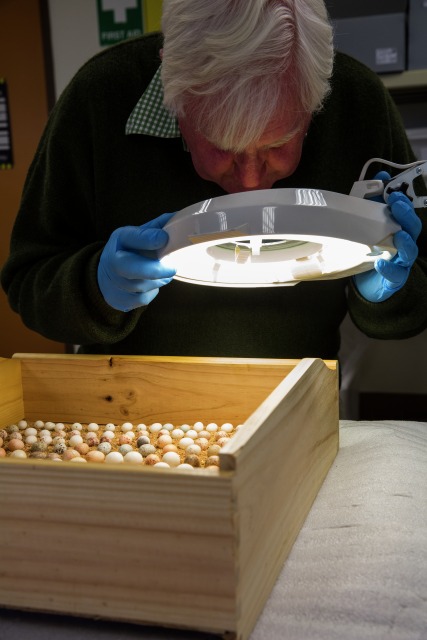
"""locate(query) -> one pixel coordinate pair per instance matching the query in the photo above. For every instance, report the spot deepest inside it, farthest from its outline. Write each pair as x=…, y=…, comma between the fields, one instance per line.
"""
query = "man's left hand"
x=388, y=276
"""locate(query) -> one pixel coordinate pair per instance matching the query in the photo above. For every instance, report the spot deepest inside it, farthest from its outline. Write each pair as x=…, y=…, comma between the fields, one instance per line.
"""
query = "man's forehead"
x=284, y=124
x=279, y=131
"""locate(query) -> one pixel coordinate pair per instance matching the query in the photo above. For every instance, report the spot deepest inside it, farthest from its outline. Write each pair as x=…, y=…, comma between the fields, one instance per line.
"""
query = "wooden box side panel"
x=140, y=545
x=11, y=396
x=146, y=389
x=292, y=440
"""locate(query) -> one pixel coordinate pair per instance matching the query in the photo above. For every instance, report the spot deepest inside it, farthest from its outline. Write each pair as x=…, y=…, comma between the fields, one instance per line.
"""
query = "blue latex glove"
x=387, y=277
x=129, y=273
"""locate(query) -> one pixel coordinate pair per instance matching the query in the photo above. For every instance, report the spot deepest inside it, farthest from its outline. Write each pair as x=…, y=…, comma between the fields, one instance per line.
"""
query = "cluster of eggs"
x=158, y=445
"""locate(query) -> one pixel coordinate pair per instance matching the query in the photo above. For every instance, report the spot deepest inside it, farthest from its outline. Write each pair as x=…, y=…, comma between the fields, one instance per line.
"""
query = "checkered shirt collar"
x=149, y=116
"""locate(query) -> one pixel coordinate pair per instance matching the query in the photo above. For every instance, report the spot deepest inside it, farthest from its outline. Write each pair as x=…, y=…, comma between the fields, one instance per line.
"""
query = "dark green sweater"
x=88, y=178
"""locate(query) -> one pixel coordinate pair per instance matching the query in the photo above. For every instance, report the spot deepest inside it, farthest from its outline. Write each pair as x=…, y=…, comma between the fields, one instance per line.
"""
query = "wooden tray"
x=188, y=549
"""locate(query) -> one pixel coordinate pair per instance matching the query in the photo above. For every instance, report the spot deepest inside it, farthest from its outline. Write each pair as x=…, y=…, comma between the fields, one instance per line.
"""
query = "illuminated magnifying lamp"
x=279, y=237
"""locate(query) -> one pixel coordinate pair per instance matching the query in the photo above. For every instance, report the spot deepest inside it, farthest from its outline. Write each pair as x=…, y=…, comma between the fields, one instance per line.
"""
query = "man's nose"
x=249, y=168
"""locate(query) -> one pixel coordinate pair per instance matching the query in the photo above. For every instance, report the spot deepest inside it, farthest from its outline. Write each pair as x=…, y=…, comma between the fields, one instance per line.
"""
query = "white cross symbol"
x=119, y=7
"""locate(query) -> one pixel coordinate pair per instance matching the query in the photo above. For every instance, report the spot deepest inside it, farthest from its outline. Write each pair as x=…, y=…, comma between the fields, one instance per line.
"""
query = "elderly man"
x=234, y=95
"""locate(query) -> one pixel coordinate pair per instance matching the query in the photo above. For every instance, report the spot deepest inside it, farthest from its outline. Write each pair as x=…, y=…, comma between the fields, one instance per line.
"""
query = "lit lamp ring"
x=277, y=237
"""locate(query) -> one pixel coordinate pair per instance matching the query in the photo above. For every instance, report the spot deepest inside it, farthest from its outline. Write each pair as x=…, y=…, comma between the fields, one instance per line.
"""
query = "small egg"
x=146, y=450
x=191, y=433
x=77, y=425
x=2, y=452
x=198, y=426
x=142, y=440
x=193, y=450
x=170, y=447
x=114, y=457
x=93, y=426
x=82, y=448
x=16, y=436
x=168, y=426
x=40, y=455
x=185, y=427
x=127, y=426
x=163, y=440
x=105, y=438
x=105, y=447
x=214, y=450
x=69, y=454
x=177, y=434
x=227, y=426
x=75, y=440
x=220, y=434
x=92, y=439
x=59, y=426
x=30, y=439
x=46, y=439
x=155, y=427
x=126, y=438
x=54, y=456
x=30, y=431
x=205, y=434
x=192, y=460
x=212, y=427
x=185, y=467
x=18, y=453
x=141, y=427
x=39, y=424
x=44, y=432
x=134, y=457
x=163, y=465
x=22, y=424
x=1, y=442
x=107, y=434
x=15, y=444
x=185, y=442
x=172, y=458
x=95, y=456
x=110, y=427
x=77, y=459
x=223, y=441
x=203, y=443
x=212, y=461
x=151, y=459
x=38, y=446
x=12, y=428
x=60, y=448
x=126, y=448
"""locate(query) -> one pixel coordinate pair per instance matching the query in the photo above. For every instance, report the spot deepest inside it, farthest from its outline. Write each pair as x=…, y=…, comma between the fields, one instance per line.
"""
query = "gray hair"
x=230, y=65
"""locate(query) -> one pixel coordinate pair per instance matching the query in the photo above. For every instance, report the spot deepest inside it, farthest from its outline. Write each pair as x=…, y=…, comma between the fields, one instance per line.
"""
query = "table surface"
x=357, y=571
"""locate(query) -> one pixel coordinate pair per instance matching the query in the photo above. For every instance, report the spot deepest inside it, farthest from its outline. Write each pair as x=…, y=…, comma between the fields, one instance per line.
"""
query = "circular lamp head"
x=277, y=237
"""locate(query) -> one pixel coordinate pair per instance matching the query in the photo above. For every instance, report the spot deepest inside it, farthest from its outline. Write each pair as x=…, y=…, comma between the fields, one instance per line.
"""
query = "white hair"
x=231, y=65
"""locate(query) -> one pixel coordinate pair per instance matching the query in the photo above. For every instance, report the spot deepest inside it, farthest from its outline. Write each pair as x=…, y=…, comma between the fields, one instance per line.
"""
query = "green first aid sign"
x=119, y=20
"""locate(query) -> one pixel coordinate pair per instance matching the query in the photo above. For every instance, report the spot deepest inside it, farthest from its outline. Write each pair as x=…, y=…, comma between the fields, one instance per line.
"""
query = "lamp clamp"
x=407, y=182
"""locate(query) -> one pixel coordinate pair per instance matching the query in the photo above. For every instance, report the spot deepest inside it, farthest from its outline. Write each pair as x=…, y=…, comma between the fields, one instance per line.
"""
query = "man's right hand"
x=129, y=273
